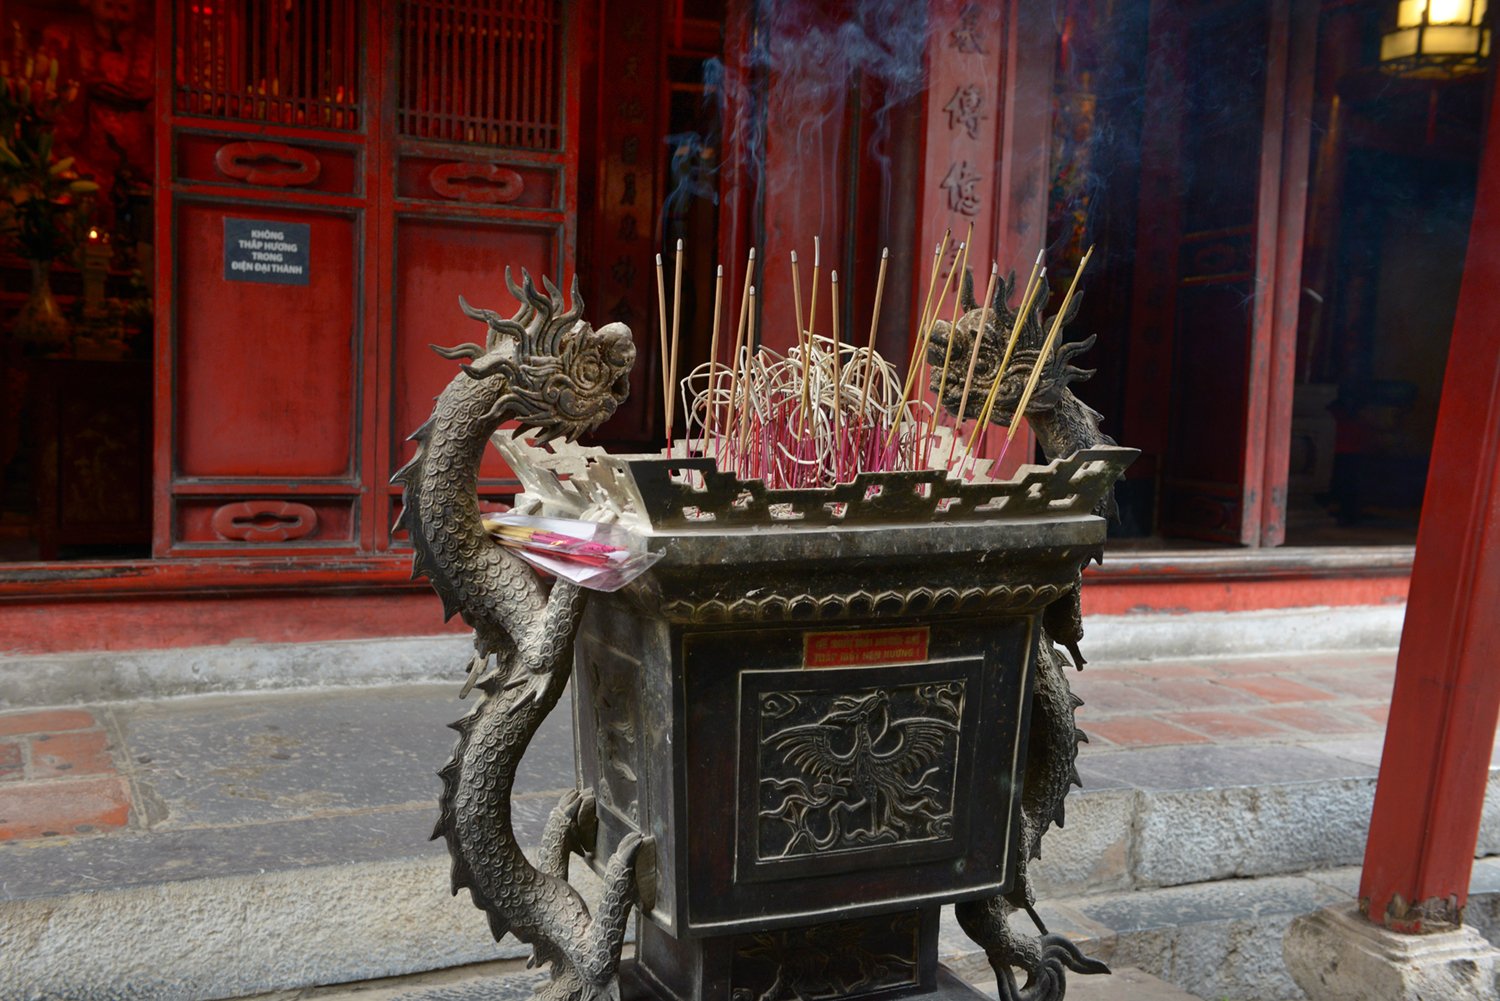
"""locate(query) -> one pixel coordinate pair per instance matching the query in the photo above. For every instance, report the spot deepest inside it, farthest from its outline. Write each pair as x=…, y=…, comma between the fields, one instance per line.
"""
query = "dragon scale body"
x=527, y=628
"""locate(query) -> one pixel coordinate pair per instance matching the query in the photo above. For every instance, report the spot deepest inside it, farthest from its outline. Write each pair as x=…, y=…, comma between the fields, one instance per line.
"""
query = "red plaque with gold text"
x=865, y=648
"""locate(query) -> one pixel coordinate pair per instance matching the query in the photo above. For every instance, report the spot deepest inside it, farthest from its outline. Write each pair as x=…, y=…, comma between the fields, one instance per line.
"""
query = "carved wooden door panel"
x=265, y=274
x=334, y=173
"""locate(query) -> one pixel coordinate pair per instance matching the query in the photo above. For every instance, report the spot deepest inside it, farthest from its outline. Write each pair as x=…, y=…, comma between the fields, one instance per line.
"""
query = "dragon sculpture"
x=1063, y=424
x=548, y=370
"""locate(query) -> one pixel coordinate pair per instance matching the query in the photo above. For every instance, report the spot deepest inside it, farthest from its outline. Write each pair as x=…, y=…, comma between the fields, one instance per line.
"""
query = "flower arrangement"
x=45, y=204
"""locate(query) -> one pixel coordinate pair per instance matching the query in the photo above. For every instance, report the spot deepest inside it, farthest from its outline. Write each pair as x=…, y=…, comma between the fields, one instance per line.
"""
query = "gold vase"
x=41, y=322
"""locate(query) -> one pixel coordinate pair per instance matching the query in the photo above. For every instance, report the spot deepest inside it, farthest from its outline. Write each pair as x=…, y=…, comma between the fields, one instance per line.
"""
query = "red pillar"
x=986, y=140
x=1442, y=726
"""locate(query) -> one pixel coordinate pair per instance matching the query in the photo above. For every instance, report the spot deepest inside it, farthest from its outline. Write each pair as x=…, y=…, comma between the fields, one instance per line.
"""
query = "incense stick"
x=713, y=360
x=745, y=378
x=661, y=315
x=911, y=363
x=739, y=335
x=676, y=326
x=1015, y=334
x=838, y=387
x=963, y=399
x=864, y=398
x=1041, y=359
x=797, y=312
x=923, y=339
x=963, y=269
x=932, y=276
x=812, y=319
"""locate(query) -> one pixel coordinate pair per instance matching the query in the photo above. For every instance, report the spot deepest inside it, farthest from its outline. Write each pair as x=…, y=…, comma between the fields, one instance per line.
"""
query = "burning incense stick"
x=963, y=399
x=812, y=320
x=666, y=375
x=1041, y=359
x=676, y=325
x=923, y=340
x=838, y=387
x=932, y=276
x=745, y=375
x=713, y=360
x=864, y=398
x=963, y=268
x=739, y=337
x=801, y=329
x=812, y=306
x=913, y=365
x=1015, y=333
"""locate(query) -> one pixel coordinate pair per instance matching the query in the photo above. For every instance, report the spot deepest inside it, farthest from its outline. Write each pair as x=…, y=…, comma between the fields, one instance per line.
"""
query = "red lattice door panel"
x=483, y=176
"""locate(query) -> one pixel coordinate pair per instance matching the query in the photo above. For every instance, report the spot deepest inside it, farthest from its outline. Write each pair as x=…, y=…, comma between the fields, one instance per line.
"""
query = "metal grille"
x=270, y=61
x=481, y=71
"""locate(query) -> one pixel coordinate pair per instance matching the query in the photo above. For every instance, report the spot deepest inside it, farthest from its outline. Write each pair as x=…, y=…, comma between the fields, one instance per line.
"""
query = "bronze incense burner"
x=819, y=716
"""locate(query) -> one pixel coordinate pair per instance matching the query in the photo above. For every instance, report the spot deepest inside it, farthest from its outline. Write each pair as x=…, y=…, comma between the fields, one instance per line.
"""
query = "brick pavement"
x=1211, y=701
x=58, y=775
x=67, y=771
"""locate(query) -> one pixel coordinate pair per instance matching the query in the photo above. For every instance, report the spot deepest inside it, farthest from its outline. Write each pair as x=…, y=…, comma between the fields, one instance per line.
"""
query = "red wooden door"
x=334, y=174
x=1223, y=192
x=482, y=174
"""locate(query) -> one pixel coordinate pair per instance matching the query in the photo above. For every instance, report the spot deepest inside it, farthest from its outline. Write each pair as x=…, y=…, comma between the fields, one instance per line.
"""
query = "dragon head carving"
x=998, y=320
x=558, y=376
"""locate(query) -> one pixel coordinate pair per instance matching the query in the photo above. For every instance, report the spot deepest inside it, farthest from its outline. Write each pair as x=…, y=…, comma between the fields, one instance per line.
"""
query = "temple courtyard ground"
x=262, y=843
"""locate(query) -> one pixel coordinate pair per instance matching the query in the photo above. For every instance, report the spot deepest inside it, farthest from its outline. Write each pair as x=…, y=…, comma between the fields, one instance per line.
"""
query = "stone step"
x=1218, y=940
x=1172, y=816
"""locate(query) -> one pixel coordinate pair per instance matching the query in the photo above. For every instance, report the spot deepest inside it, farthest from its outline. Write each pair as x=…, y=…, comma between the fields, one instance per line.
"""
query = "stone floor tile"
x=45, y=721
x=1234, y=765
x=1235, y=666
x=1227, y=725
x=1312, y=720
x=1124, y=984
x=1365, y=750
x=1139, y=731
x=1274, y=688
x=1380, y=715
x=1115, y=696
x=78, y=752
x=1170, y=670
x=57, y=867
x=271, y=757
x=1193, y=693
x=1362, y=685
x=1373, y=659
x=62, y=806
x=1485, y=876
x=1224, y=900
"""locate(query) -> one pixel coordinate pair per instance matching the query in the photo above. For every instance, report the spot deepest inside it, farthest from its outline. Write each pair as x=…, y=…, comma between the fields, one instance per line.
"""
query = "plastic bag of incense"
x=587, y=553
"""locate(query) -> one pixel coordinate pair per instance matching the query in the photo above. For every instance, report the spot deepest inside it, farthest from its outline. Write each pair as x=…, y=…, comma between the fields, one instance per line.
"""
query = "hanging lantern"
x=1437, y=39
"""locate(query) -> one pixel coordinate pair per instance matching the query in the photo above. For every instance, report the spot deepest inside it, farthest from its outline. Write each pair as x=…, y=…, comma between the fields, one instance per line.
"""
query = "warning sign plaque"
x=273, y=253
x=865, y=648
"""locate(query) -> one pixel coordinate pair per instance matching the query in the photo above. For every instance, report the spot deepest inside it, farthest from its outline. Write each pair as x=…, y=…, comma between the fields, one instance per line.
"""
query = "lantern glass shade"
x=1437, y=39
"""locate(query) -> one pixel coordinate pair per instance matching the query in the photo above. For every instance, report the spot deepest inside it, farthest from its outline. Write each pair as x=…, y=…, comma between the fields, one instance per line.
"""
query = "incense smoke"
x=798, y=98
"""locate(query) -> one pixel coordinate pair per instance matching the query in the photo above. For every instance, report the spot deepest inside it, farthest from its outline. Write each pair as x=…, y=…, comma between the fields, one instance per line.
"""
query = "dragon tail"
x=461, y=876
